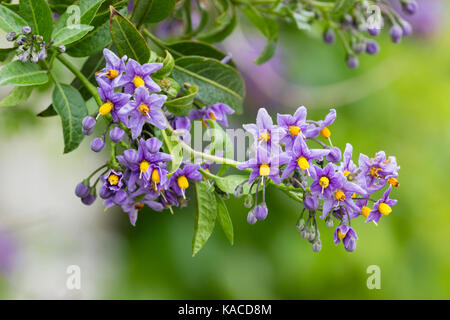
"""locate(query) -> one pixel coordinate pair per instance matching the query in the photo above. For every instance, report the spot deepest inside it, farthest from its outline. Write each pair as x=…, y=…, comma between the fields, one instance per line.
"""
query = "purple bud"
x=261, y=212
x=88, y=123
x=396, y=33
x=329, y=36
x=90, y=199
x=352, y=61
x=334, y=155
x=372, y=47
x=311, y=203
x=130, y=156
x=120, y=197
x=116, y=134
x=62, y=49
x=251, y=219
x=26, y=30
x=406, y=28
x=82, y=190
x=97, y=144
x=351, y=245
x=373, y=31
x=11, y=36
x=359, y=47
x=105, y=192
x=410, y=7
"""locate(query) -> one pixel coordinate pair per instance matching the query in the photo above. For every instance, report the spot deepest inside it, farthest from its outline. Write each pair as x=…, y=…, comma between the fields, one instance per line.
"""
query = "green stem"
x=95, y=171
x=89, y=86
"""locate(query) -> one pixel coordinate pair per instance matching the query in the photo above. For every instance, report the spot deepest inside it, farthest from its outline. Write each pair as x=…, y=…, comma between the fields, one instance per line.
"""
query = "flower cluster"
x=366, y=19
x=30, y=47
x=133, y=109
x=325, y=179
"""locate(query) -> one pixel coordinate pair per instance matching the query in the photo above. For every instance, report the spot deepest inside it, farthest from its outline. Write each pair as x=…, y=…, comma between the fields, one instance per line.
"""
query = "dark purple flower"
x=113, y=101
x=145, y=108
x=396, y=33
x=382, y=207
x=113, y=180
x=116, y=134
x=347, y=235
x=179, y=181
x=301, y=157
x=114, y=69
x=217, y=112
x=137, y=75
x=264, y=165
x=88, y=125
x=97, y=145
x=266, y=134
x=82, y=190
x=296, y=126
x=261, y=212
x=326, y=180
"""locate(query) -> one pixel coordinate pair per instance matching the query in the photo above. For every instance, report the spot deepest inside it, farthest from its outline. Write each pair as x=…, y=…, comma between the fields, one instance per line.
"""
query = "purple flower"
x=347, y=235
x=375, y=172
x=334, y=155
x=382, y=207
x=97, y=144
x=113, y=180
x=265, y=166
x=137, y=75
x=266, y=134
x=82, y=190
x=114, y=69
x=89, y=199
x=179, y=181
x=145, y=108
x=113, y=101
x=311, y=203
x=295, y=126
x=183, y=127
x=132, y=205
x=347, y=166
x=301, y=157
x=88, y=125
x=145, y=164
x=323, y=125
x=326, y=180
x=116, y=134
x=217, y=112
x=410, y=7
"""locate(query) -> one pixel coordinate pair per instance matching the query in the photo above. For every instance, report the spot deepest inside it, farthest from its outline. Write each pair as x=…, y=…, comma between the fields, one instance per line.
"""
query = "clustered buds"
x=30, y=47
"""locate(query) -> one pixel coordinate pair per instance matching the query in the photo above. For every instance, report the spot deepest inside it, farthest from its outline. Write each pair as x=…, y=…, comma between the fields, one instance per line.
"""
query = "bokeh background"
x=397, y=101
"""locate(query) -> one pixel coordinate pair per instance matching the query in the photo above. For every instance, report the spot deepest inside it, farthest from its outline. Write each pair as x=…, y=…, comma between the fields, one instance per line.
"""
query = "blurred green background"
x=397, y=101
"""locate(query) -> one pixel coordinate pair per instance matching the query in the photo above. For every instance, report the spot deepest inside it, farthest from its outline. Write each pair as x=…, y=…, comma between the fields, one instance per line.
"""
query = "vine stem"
x=89, y=86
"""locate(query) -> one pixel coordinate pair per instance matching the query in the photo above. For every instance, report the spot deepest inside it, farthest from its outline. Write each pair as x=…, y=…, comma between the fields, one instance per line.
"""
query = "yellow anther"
x=113, y=179
x=384, y=209
x=264, y=170
x=143, y=108
x=212, y=116
x=139, y=206
x=265, y=136
x=346, y=173
x=393, y=182
x=294, y=130
x=138, y=81
x=341, y=235
x=374, y=172
x=144, y=166
x=354, y=195
x=183, y=182
x=112, y=74
x=325, y=132
x=303, y=163
x=340, y=196
x=105, y=108
x=155, y=176
x=365, y=211
x=324, y=182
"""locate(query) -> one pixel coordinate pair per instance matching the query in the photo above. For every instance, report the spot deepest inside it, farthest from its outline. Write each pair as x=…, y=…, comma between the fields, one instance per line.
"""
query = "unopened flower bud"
x=351, y=245
x=239, y=191
x=120, y=197
x=116, y=134
x=329, y=36
x=26, y=30
x=248, y=203
x=396, y=33
x=97, y=144
x=305, y=233
x=82, y=190
x=372, y=47
x=11, y=36
x=334, y=155
x=329, y=221
x=311, y=203
x=317, y=246
x=410, y=6
x=89, y=199
x=105, y=192
x=373, y=31
x=311, y=235
x=261, y=212
x=406, y=28
x=62, y=49
x=251, y=219
x=300, y=224
x=359, y=47
x=352, y=61
x=88, y=125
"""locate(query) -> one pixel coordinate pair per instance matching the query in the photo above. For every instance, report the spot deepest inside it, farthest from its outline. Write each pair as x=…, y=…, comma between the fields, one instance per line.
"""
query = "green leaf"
x=68, y=35
x=205, y=217
x=224, y=25
x=39, y=17
x=83, y=12
x=216, y=81
x=70, y=106
x=127, y=38
x=168, y=64
x=225, y=219
x=10, y=21
x=90, y=67
x=21, y=74
x=17, y=96
x=160, y=10
x=6, y=54
x=141, y=11
x=92, y=43
x=342, y=6
x=182, y=106
x=49, y=112
x=196, y=48
x=229, y=184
